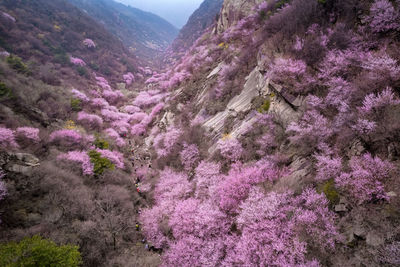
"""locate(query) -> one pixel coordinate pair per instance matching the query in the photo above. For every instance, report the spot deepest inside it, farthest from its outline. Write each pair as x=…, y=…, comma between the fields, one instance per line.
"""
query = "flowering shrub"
x=230, y=148
x=269, y=234
x=327, y=167
x=290, y=73
x=77, y=61
x=103, y=83
x=114, y=156
x=207, y=177
x=79, y=157
x=99, y=103
x=66, y=137
x=383, y=17
x=164, y=142
x=90, y=120
x=311, y=129
x=121, y=126
x=79, y=95
x=145, y=99
x=89, y=43
x=189, y=156
x=113, y=96
x=132, y=109
x=120, y=142
x=374, y=102
x=128, y=78
x=7, y=138
x=366, y=178
x=32, y=134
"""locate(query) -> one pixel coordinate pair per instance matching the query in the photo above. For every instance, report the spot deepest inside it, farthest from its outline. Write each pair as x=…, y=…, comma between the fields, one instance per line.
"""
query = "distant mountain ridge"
x=198, y=22
x=144, y=33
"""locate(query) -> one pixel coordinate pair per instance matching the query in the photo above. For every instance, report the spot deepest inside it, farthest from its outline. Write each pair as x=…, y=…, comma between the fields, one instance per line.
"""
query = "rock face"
x=199, y=21
x=256, y=86
x=22, y=163
x=233, y=11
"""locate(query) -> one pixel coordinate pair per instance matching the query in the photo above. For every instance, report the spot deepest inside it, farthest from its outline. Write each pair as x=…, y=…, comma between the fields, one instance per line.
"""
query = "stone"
x=19, y=168
x=374, y=239
x=340, y=208
x=391, y=194
x=359, y=231
x=215, y=71
x=27, y=159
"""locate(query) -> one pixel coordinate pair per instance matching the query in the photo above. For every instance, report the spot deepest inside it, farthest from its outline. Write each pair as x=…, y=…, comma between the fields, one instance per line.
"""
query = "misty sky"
x=176, y=12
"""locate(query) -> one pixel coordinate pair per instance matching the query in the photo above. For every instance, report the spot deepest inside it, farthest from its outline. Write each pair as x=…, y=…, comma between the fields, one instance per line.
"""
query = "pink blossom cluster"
x=30, y=133
x=99, y=103
x=113, y=96
x=89, y=43
x=383, y=17
x=79, y=157
x=121, y=126
x=4, y=54
x=132, y=109
x=230, y=148
x=114, y=156
x=120, y=142
x=66, y=137
x=103, y=83
x=128, y=78
x=268, y=234
x=376, y=101
x=145, y=99
x=366, y=179
x=79, y=95
x=77, y=61
x=90, y=120
x=7, y=138
x=165, y=142
x=189, y=156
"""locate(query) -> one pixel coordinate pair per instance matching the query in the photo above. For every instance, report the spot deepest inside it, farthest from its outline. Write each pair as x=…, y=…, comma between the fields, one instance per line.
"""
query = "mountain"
x=142, y=32
x=198, y=22
x=273, y=140
x=50, y=33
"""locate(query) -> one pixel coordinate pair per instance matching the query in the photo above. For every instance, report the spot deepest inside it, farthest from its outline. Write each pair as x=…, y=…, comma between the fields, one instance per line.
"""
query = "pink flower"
x=89, y=43
x=77, y=61
x=114, y=156
x=7, y=138
x=29, y=133
x=79, y=157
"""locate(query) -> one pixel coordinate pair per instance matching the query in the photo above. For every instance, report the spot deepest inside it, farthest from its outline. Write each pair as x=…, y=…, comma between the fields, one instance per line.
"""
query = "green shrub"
x=4, y=90
x=94, y=66
x=82, y=71
x=265, y=106
x=17, y=64
x=330, y=191
x=100, y=164
x=76, y=104
x=36, y=251
x=101, y=143
x=60, y=56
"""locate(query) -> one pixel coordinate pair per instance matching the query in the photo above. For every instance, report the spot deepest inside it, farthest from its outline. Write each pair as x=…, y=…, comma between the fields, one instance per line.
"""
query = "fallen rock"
x=340, y=208
x=374, y=239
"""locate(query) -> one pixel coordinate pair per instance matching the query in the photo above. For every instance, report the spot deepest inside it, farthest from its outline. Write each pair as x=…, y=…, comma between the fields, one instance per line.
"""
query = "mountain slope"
x=198, y=22
x=142, y=32
x=51, y=33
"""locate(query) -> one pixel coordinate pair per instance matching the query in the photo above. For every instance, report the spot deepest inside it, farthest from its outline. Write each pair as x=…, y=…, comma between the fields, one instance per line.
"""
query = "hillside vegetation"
x=272, y=141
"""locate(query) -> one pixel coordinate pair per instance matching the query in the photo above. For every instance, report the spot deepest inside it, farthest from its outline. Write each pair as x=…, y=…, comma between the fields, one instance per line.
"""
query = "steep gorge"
x=272, y=141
